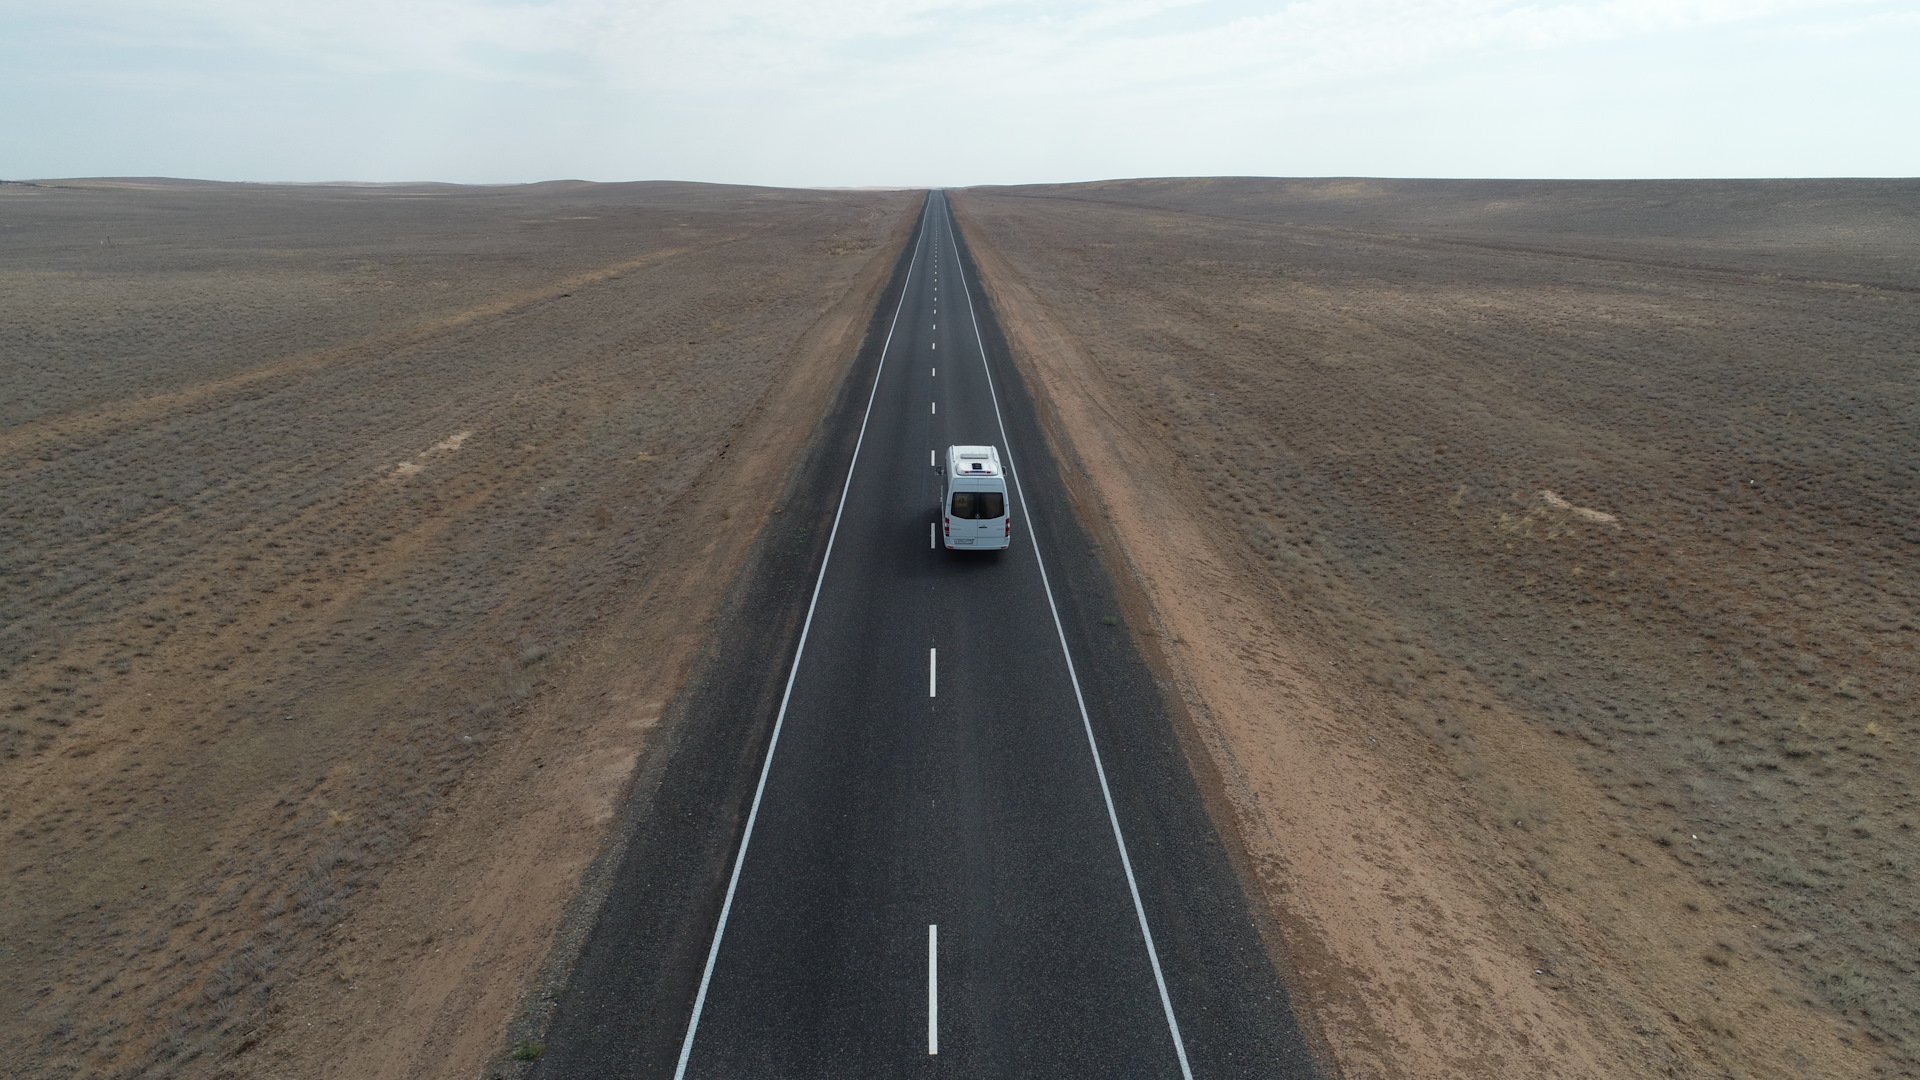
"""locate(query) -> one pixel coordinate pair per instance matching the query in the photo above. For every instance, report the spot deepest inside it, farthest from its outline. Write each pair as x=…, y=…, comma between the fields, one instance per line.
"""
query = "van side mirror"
x=941, y=469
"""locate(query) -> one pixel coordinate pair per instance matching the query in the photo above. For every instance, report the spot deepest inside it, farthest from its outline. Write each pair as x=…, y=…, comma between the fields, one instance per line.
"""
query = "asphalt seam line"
x=933, y=988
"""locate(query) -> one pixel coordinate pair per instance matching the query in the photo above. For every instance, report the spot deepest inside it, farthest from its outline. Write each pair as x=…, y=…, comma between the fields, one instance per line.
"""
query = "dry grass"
x=308, y=494
x=1636, y=464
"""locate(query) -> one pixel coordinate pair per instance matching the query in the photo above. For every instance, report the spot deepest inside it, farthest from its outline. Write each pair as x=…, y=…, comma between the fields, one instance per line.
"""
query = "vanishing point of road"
x=926, y=812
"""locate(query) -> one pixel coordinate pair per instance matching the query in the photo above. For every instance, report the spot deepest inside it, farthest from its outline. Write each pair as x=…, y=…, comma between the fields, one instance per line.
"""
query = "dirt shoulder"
x=1539, y=763
x=337, y=641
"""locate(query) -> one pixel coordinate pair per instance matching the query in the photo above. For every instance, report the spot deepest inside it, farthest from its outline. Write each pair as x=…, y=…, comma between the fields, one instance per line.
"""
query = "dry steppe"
x=351, y=540
x=1537, y=565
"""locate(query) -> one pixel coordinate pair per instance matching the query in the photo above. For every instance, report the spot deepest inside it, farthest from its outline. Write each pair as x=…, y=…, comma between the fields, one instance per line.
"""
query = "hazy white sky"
x=802, y=92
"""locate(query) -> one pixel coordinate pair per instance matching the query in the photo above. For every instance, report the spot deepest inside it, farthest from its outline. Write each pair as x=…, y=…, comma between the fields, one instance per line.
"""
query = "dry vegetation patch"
x=1539, y=562
x=351, y=540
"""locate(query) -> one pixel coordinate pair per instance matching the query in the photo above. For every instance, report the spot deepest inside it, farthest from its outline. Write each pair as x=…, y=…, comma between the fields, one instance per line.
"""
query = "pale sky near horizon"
x=956, y=92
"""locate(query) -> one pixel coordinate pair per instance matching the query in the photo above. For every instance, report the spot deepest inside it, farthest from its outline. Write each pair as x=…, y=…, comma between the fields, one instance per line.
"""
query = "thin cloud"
x=780, y=91
x=755, y=43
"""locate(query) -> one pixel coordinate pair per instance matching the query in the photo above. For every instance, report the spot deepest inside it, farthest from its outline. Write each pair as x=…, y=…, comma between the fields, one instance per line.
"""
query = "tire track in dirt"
x=116, y=419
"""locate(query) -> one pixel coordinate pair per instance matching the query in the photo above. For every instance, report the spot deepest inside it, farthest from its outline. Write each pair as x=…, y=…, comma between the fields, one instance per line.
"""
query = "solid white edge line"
x=740, y=859
x=933, y=988
x=1113, y=817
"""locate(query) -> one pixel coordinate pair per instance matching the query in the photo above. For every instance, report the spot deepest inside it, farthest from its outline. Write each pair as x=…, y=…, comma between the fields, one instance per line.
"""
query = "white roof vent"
x=973, y=460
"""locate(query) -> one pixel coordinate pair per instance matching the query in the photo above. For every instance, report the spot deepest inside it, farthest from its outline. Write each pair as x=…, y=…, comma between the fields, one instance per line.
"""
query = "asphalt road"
x=927, y=811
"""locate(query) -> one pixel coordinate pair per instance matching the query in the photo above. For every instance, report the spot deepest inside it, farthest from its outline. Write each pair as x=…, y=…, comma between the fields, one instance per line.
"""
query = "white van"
x=974, y=514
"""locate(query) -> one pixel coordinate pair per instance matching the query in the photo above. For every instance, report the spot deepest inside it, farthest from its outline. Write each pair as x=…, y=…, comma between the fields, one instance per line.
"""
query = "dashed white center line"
x=932, y=461
x=933, y=988
x=936, y=374
x=933, y=672
x=931, y=534
x=933, y=407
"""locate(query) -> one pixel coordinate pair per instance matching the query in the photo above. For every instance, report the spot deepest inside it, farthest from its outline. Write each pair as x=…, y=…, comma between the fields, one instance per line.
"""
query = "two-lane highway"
x=935, y=869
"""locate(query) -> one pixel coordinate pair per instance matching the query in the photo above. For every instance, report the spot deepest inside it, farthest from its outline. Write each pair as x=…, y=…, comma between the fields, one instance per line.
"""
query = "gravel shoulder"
x=1535, y=563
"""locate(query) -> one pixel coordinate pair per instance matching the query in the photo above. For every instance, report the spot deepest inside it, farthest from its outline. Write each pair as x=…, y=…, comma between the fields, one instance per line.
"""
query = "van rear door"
x=977, y=514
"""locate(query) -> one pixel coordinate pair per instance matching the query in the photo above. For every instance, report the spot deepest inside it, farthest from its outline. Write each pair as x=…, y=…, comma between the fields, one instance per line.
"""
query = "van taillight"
x=1009, y=524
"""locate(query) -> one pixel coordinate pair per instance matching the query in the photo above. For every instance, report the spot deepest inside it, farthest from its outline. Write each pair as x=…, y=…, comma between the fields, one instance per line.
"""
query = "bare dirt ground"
x=351, y=541
x=1537, y=563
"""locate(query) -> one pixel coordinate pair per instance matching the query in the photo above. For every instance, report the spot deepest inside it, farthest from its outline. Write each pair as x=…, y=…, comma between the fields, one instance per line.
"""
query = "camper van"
x=974, y=514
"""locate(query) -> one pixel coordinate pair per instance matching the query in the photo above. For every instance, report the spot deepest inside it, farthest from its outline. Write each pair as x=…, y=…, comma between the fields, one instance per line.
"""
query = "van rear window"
x=979, y=505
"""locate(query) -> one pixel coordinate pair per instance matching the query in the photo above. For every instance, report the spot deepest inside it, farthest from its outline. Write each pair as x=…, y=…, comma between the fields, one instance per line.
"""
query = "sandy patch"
x=1582, y=512
x=408, y=469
